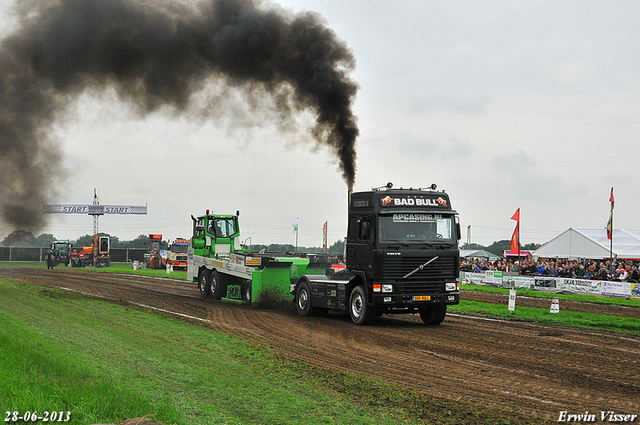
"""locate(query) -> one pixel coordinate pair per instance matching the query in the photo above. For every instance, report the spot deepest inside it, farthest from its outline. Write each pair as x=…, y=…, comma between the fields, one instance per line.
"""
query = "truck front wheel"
x=203, y=283
x=433, y=315
x=360, y=312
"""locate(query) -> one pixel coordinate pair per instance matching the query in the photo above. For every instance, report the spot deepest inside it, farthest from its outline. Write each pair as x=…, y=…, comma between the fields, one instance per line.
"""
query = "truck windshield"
x=179, y=249
x=222, y=227
x=416, y=228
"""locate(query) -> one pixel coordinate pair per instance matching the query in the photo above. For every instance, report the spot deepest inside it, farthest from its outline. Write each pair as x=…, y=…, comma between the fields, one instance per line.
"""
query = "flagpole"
x=295, y=230
x=611, y=240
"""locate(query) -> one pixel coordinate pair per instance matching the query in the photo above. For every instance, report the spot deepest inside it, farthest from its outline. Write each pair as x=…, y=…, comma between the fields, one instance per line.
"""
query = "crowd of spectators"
x=478, y=265
x=619, y=270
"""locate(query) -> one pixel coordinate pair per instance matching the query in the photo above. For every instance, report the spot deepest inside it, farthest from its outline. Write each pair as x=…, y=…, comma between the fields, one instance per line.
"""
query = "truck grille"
x=429, y=279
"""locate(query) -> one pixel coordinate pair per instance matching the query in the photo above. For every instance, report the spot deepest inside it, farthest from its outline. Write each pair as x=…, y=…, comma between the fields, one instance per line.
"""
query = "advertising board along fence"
x=555, y=284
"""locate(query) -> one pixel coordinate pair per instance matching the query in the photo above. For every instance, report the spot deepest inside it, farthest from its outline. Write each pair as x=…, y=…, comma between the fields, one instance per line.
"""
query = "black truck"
x=401, y=256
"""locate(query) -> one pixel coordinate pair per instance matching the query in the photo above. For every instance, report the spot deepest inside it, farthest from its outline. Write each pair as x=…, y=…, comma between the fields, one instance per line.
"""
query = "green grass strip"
x=548, y=295
x=113, y=268
x=601, y=322
x=103, y=362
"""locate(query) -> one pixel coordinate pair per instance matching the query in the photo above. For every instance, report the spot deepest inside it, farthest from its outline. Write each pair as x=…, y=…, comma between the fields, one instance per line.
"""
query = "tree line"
x=44, y=240
x=499, y=247
x=336, y=248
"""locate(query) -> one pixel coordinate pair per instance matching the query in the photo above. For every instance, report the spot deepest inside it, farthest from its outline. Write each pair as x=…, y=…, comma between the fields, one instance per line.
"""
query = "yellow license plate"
x=422, y=298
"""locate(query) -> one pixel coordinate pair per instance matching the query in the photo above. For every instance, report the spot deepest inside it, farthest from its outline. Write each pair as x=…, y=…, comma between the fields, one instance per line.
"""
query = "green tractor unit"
x=224, y=269
x=401, y=256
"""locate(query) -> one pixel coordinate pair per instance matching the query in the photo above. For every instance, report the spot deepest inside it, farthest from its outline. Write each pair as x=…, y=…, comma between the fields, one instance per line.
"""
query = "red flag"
x=610, y=222
x=515, y=238
x=611, y=199
x=324, y=236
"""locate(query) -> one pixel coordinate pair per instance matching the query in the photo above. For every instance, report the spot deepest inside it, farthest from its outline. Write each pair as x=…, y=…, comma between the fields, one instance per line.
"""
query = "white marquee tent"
x=591, y=243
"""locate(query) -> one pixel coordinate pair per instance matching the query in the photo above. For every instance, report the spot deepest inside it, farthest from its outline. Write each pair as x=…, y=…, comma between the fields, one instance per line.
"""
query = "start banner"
x=92, y=209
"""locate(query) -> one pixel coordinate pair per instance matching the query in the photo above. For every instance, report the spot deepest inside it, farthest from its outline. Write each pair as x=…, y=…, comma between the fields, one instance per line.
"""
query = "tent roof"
x=509, y=253
x=477, y=253
x=591, y=243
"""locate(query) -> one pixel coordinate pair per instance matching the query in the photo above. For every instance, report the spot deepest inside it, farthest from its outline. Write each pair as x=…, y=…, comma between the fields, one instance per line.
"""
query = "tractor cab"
x=215, y=235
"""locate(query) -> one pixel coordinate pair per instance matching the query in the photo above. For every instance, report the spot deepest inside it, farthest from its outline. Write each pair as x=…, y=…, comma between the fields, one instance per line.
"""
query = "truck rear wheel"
x=217, y=286
x=203, y=284
x=433, y=315
x=360, y=312
x=246, y=291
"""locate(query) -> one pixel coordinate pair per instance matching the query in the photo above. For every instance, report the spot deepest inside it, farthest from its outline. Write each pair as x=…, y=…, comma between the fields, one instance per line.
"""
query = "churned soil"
x=523, y=368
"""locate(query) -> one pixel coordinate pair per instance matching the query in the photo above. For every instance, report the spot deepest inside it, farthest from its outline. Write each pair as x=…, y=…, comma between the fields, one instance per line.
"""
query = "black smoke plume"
x=159, y=54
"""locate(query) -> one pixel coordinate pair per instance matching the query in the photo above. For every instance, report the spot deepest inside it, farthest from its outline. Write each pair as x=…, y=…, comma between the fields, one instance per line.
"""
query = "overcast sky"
x=505, y=105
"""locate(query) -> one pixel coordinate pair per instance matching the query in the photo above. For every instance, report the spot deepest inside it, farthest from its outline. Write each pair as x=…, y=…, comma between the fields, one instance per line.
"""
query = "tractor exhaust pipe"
x=193, y=233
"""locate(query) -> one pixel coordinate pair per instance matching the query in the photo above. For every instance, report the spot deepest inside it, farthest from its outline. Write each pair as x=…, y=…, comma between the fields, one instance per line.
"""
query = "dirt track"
x=525, y=368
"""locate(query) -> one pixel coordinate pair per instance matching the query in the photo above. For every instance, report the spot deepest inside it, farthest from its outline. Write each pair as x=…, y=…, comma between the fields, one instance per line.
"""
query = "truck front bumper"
x=414, y=300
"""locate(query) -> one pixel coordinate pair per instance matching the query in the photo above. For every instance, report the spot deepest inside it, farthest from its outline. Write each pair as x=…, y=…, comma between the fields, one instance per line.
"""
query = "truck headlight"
x=451, y=286
x=387, y=287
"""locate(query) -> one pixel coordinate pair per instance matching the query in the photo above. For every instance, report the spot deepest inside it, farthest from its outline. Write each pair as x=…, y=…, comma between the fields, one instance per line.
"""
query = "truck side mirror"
x=458, y=231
